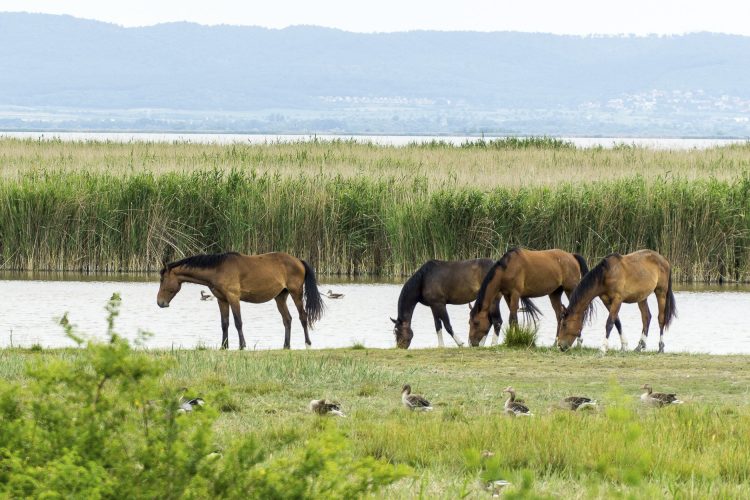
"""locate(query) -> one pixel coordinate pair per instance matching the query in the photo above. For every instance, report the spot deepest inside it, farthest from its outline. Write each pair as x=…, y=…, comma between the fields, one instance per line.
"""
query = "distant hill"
x=63, y=72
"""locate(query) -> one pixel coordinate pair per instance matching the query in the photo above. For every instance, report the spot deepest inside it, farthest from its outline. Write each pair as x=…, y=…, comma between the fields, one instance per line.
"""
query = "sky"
x=575, y=17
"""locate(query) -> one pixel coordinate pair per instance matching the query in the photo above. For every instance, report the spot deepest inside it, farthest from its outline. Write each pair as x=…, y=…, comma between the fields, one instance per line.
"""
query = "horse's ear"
x=394, y=321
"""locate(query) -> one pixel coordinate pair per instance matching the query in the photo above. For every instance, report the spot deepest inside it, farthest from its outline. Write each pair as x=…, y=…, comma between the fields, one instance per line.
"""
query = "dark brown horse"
x=616, y=279
x=436, y=284
x=234, y=277
x=519, y=275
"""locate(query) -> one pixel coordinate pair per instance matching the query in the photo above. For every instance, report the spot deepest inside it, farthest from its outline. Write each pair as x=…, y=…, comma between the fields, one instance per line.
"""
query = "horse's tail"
x=590, y=310
x=670, y=308
x=582, y=264
x=530, y=311
x=313, y=301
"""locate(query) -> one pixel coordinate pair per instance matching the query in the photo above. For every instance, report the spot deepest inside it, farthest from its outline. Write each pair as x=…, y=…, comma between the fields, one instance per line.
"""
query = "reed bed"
x=353, y=208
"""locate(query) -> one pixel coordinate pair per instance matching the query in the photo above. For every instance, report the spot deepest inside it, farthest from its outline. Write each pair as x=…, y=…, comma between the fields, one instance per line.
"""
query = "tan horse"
x=616, y=279
x=519, y=275
x=234, y=277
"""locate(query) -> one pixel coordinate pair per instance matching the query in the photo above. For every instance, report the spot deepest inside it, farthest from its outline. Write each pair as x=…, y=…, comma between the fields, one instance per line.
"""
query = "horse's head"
x=479, y=326
x=570, y=328
x=168, y=287
x=403, y=332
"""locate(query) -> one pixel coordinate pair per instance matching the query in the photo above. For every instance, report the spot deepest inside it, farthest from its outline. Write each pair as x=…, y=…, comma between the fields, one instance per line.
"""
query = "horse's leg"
x=661, y=300
x=447, y=323
x=438, y=324
x=612, y=320
x=579, y=340
x=512, y=301
x=286, y=317
x=235, y=305
x=554, y=299
x=224, y=312
x=297, y=298
x=646, y=318
x=497, y=321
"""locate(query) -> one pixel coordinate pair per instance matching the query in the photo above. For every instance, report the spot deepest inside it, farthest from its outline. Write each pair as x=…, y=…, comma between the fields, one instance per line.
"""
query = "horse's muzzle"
x=162, y=304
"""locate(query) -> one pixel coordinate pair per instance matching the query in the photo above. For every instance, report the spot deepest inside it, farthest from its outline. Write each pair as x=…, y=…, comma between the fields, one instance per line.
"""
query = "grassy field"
x=509, y=163
x=354, y=208
x=697, y=450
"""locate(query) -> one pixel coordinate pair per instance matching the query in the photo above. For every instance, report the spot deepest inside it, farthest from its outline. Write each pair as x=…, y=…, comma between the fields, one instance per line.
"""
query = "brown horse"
x=436, y=284
x=616, y=279
x=519, y=275
x=234, y=277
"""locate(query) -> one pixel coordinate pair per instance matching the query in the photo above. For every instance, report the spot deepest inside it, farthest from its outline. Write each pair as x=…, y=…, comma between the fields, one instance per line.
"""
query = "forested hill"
x=305, y=72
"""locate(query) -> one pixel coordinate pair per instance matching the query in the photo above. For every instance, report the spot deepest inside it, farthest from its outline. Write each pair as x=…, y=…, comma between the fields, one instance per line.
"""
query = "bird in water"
x=658, y=398
x=414, y=402
x=331, y=295
x=323, y=407
x=577, y=402
x=206, y=296
x=514, y=407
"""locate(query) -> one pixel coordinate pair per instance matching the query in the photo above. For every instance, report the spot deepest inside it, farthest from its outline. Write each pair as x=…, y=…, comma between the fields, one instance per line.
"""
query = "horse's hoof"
x=661, y=347
x=624, y=347
x=308, y=346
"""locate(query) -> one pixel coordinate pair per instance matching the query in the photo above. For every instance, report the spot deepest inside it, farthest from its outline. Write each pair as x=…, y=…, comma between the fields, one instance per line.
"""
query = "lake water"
x=393, y=140
x=711, y=320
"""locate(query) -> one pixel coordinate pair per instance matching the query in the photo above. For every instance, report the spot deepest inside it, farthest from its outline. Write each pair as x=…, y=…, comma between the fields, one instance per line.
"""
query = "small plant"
x=517, y=336
x=358, y=346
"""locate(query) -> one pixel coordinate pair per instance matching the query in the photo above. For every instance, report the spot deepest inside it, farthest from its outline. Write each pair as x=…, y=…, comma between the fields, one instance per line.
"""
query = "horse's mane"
x=500, y=264
x=590, y=280
x=412, y=289
x=201, y=261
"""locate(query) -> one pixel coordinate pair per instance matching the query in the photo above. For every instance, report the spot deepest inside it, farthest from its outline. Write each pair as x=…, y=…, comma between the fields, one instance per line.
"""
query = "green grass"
x=363, y=209
x=699, y=449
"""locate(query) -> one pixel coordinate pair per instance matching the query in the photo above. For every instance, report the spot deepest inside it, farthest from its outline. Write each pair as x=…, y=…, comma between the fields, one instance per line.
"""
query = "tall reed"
x=389, y=225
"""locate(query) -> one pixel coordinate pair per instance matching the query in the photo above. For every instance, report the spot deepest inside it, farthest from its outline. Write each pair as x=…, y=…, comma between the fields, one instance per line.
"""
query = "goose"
x=206, y=296
x=577, y=402
x=513, y=407
x=187, y=405
x=658, y=398
x=496, y=486
x=414, y=402
x=331, y=295
x=323, y=407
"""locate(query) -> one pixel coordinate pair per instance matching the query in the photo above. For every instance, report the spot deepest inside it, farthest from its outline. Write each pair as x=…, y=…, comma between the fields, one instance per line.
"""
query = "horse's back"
x=454, y=282
x=645, y=269
x=270, y=273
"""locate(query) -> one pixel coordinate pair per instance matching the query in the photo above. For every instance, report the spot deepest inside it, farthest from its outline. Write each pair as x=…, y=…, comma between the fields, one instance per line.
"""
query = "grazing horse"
x=519, y=275
x=233, y=277
x=436, y=284
x=616, y=279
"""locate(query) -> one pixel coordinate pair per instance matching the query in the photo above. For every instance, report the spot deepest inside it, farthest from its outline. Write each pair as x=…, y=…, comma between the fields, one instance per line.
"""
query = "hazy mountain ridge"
x=317, y=79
